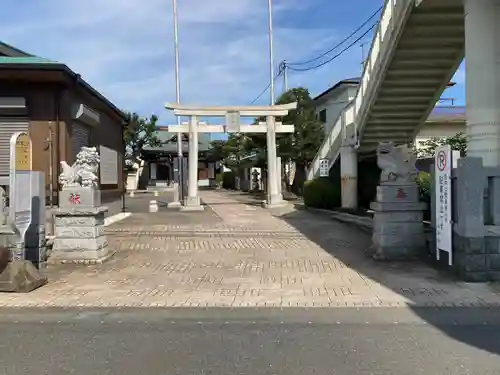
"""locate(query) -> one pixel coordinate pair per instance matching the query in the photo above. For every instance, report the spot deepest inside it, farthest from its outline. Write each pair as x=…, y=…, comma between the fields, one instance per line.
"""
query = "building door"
x=162, y=172
x=80, y=137
x=9, y=126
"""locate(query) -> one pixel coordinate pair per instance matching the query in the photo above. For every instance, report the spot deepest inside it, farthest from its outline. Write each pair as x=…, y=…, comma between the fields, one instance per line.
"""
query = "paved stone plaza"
x=238, y=254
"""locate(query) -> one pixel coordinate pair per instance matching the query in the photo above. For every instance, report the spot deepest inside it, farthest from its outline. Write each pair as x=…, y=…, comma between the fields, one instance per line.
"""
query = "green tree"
x=217, y=151
x=139, y=133
x=230, y=152
x=303, y=144
x=428, y=148
x=235, y=150
x=300, y=146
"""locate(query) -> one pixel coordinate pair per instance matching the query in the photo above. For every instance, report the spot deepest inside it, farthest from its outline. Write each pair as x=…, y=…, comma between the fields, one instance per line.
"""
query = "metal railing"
x=357, y=108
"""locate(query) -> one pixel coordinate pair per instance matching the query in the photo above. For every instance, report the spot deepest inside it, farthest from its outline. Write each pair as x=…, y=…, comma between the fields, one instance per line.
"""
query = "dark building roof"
x=11, y=51
x=348, y=81
x=169, y=142
x=13, y=58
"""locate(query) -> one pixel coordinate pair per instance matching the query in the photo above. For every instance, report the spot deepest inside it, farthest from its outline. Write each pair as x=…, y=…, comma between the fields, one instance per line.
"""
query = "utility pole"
x=362, y=57
x=178, y=99
x=271, y=51
x=285, y=76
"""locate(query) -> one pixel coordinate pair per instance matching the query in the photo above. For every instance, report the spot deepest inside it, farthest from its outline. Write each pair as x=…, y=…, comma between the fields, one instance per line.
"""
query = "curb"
x=115, y=218
x=364, y=223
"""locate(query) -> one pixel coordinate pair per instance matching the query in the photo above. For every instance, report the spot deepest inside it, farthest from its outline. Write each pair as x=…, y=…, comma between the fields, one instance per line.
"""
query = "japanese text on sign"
x=443, y=163
x=23, y=152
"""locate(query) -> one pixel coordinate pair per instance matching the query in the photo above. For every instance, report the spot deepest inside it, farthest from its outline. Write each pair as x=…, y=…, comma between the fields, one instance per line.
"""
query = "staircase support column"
x=482, y=83
x=349, y=177
x=482, y=36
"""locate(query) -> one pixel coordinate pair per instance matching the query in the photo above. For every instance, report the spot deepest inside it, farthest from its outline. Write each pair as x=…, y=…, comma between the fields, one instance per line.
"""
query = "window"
x=322, y=115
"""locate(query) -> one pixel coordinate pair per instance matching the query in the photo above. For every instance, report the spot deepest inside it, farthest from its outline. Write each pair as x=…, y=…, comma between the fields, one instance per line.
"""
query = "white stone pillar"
x=274, y=198
x=482, y=46
x=192, y=201
x=279, y=175
x=349, y=177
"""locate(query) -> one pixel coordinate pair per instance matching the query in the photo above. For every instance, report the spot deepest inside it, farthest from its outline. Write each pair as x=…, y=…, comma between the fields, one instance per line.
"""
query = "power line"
x=280, y=71
x=337, y=55
x=340, y=43
x=285, y=65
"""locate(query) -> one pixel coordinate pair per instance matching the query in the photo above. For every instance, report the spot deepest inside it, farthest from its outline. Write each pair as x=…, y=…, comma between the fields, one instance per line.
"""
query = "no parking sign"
x=443, y=163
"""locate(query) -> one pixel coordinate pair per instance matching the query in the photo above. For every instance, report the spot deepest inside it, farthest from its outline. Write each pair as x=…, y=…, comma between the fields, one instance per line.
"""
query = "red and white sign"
x=443, y=163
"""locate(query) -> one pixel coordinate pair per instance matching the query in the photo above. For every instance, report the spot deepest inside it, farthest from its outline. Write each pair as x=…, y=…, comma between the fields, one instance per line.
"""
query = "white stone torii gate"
x=232, y=115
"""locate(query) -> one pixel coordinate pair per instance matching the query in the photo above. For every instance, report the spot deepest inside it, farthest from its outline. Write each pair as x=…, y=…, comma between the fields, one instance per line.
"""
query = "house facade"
x=61, y=112
x=444, y=121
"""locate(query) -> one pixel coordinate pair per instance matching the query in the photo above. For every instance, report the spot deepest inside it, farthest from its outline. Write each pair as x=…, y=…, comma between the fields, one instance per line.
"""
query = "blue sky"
x=124, y=48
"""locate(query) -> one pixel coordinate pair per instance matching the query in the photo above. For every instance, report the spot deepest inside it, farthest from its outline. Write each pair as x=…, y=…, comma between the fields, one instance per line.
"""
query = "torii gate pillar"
x=274, y=196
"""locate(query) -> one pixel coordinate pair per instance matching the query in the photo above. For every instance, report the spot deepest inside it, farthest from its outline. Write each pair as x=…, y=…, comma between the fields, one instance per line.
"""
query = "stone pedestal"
x=274, y=201
x=19, y=276
x=79, y=228
x=174, y=190
x=192, y=204
x=398, y=231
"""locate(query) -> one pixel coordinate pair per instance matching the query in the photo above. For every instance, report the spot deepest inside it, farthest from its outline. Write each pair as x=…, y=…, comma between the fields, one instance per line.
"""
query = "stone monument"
x=79, y=220
x=22, y=234
x=398, y=231
x=16, y=275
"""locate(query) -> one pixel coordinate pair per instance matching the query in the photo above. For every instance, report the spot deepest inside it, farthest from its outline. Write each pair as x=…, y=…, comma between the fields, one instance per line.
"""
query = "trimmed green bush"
x=228, y=180
x=321, y=193
x=424, y=183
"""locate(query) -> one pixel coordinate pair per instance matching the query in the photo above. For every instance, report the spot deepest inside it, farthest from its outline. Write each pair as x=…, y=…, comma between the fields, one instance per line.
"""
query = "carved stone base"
x=21, y=276
x=398, y=231
x=84, y=257
x=274, y=201
x=275, y=204
x=192, y=204
x=79, y=197
x=79, y=236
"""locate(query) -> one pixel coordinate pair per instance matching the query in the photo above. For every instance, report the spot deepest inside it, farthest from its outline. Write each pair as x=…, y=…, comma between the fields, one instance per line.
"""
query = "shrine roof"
x=169, y=142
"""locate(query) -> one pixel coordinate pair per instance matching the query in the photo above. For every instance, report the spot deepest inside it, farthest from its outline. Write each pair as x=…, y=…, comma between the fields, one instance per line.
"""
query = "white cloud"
x=124, y=48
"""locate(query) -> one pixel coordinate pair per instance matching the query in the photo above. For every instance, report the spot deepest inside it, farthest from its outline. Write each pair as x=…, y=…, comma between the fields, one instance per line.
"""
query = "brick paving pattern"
x=238, y=254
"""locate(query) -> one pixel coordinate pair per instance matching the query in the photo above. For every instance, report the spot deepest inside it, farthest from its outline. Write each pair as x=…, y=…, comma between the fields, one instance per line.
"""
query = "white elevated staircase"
x=416, y=50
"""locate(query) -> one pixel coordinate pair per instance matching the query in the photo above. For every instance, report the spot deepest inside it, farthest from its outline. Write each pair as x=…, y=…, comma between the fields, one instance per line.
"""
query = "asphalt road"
x=246, y=341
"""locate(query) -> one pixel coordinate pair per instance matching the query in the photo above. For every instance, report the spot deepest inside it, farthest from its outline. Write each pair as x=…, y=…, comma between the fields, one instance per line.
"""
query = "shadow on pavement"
x=414, y=280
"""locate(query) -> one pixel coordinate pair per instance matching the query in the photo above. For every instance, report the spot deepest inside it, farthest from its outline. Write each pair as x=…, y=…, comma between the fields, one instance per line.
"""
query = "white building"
x=444, y=121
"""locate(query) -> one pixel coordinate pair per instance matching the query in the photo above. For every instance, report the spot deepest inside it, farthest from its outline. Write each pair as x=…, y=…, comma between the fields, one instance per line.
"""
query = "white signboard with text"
x=443, y=167
x=20, y=196
x=109, y=166
x=324, y=170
